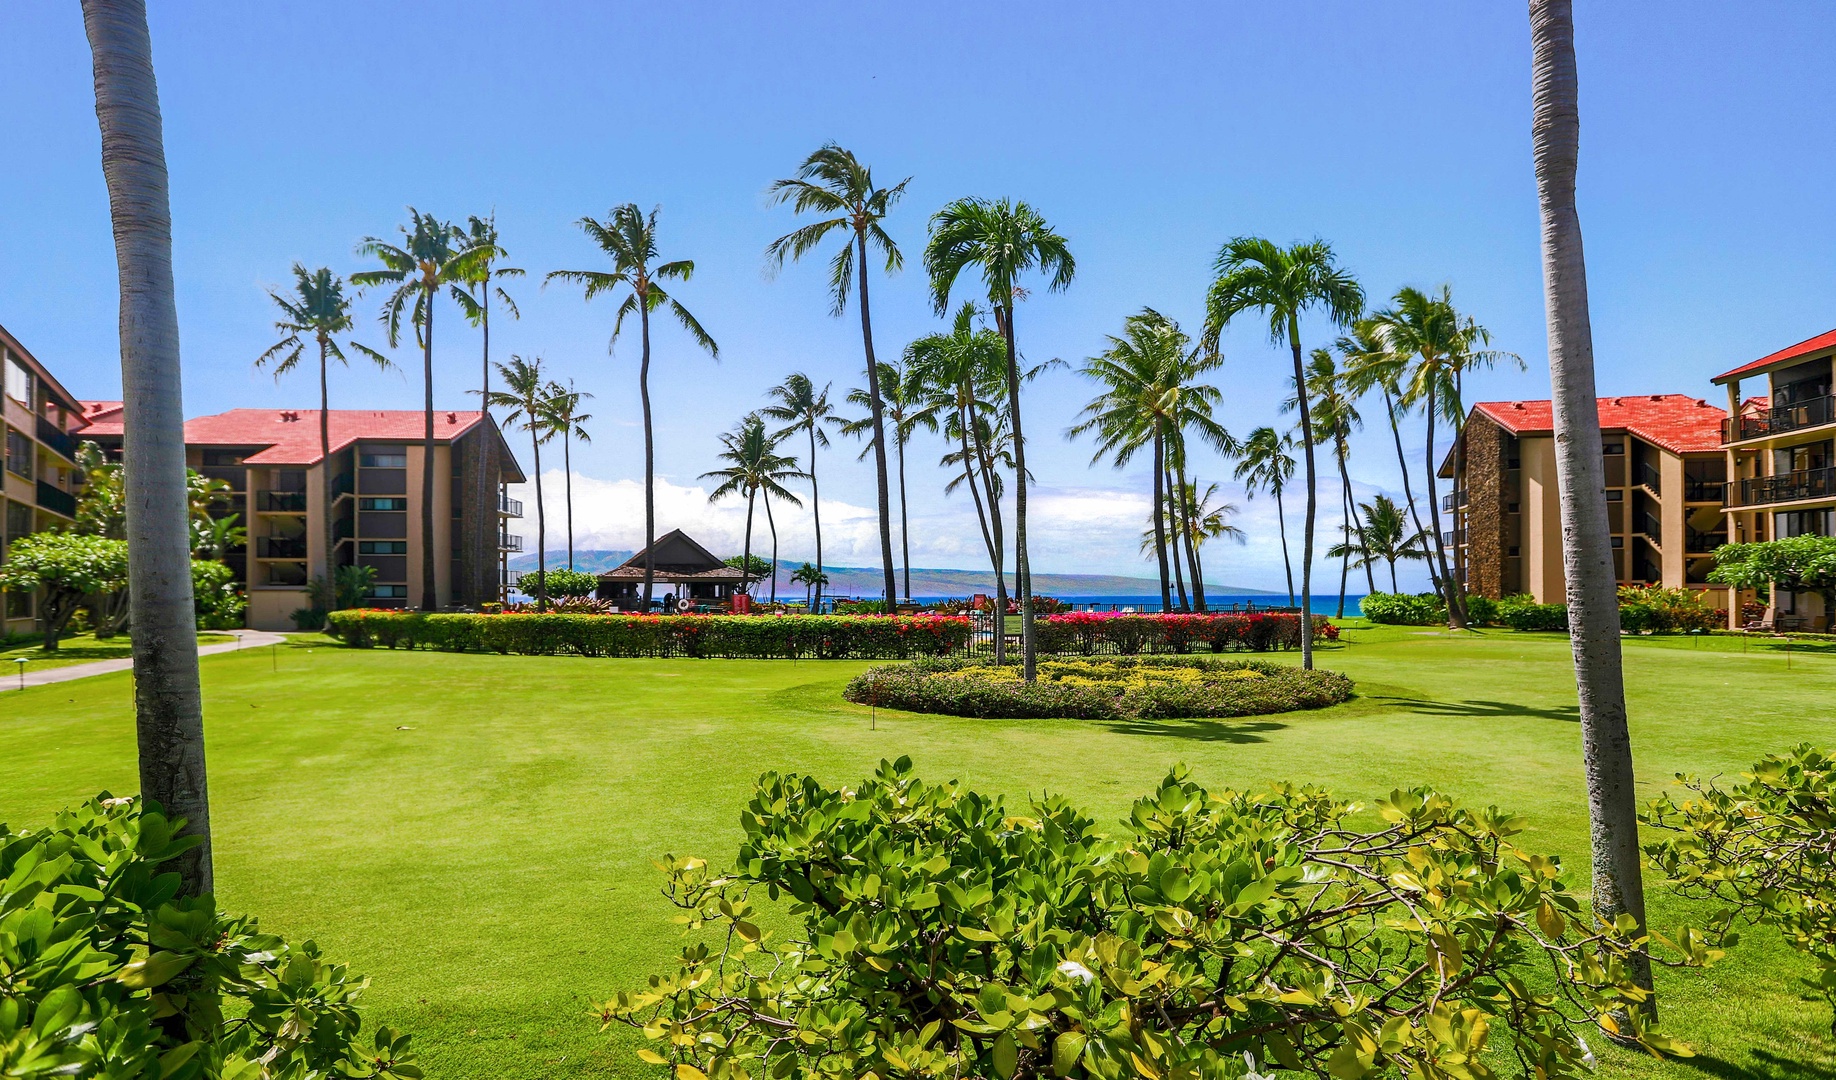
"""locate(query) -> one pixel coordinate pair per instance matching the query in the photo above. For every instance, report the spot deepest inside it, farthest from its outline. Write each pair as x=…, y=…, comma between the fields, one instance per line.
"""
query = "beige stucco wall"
x=1540, y=503
x=1671, y=519
x=272, y=609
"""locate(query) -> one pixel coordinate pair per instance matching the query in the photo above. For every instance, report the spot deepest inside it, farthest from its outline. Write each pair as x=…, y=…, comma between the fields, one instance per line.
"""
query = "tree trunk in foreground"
x=1587, y=553
x=168, y=709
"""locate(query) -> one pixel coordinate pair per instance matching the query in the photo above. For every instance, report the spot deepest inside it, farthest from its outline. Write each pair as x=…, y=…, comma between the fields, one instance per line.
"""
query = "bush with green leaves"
x=1404, y=609
x=1522, y=612
x=1480, y=610
x=1100, y=688
x=219, y=599
x=1766, y=849
x=944, y=934
x=69, y=568
x=1656, y=609
x=560, y=583
x=106, y=972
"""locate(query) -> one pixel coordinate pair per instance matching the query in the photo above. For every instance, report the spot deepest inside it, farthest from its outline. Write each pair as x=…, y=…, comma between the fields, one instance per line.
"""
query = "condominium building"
x=40, y=478
x=1780, y=454
x=278, y=482
x=1664, y=466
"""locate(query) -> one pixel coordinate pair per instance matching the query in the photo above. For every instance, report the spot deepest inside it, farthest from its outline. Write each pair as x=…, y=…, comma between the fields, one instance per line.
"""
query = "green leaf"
x=1066, y=1050
x=155, y=970
x=1006, y=1055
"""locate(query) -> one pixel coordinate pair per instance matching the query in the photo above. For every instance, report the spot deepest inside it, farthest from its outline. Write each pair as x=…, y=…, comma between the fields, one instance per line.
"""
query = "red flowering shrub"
x=1089, y=632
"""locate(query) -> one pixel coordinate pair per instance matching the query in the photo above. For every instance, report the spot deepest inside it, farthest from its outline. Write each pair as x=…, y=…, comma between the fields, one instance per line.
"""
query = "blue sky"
x=1399, y=132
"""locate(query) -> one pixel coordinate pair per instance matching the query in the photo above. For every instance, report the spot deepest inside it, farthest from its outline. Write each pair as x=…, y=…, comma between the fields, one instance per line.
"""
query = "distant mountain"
x=865, y=580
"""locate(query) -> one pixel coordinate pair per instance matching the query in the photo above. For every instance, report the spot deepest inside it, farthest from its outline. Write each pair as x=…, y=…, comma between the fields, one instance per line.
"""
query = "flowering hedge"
x=822, y=637
x=1088, y=633
x=1110, y=688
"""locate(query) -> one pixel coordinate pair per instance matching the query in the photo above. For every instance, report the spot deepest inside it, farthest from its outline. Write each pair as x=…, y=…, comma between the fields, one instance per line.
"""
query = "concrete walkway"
x=246, y=639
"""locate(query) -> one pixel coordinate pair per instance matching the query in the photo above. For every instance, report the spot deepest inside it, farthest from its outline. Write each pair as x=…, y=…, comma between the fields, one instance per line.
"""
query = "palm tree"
x=1370, y=365
x=433, y=255
x=1005, y=241
x=832, y=181
x=1384, y=534
x=630, y=239
x=800, y=407
x=900, y=397
x=482, y=283
x=319, y=310
x=570, y=424
x=1268, y=465
x=1335, y=418
x=1283, y=284
x=1587, y=556
x=1439, y=345
x=1207, y=518
x=531, y=400
x=960, y=377
x=812, y=581
x=754, y=466
x=168, y=708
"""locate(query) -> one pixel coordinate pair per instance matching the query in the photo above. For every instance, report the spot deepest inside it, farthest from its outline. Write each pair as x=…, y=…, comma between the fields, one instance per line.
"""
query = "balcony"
x=280, y=547
x=509, y=507
x=54, y=438
x=282, y=502
x=236, y=476
x=1783, y=488
x=55, y=499
x=1649, y=478
x=1453, y=499
x=1453, y=538
x=509, y=542
x=1811, y=412
x=1708, y=491
x=1701, y=543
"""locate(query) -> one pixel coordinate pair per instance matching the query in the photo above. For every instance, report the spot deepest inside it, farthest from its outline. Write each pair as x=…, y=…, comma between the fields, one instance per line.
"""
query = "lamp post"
x=21, y=661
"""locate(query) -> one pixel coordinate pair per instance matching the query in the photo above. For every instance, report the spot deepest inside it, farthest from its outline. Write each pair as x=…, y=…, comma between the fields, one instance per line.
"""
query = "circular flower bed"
x=1100, y=688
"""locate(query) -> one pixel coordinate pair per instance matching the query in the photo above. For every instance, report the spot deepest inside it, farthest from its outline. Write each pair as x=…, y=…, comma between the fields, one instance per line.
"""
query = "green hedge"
x=822, y=637
x=1403, y=609
x=1104, y=688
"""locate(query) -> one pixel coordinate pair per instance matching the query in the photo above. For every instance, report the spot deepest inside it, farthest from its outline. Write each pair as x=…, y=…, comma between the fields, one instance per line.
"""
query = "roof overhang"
x=1785, y=357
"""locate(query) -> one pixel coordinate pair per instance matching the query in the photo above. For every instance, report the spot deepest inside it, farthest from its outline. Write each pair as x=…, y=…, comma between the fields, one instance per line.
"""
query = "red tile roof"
x=1677, y=422
x=1803, y=348
x=291, y=436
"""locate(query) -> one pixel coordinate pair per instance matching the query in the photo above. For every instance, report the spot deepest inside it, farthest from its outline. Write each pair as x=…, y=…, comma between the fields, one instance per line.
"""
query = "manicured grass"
x=476, y=832
x=80, y=649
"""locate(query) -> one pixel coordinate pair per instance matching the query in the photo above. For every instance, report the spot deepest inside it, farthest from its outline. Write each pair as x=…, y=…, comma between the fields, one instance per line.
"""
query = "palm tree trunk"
x=1190, y=532
x=905, y=538
x=815, y=509
x=998, y=548
x=746, y=552
x=879, y=431
x=1168, y=511
x=1587, y=553
x=1449, y=587
x=774, y=547
x=535, y=446
x=168, y=709
x=1393, y=587
x=1306, y=425
x=650, y=457
x=325, y=464
x=487, y=500
x=1281, y=526
x=430, y=589
x=981, y=518
x=1364, y=547
x=1023, y=577
x=1415, y=513
x=567, y=480
x=1345, y=517
x=1160, y=525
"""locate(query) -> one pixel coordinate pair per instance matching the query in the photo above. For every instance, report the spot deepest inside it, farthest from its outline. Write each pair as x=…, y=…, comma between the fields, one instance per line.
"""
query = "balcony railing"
x=1650, y=478
x=1653, y=528
x=55, y=499
x=1785, y=487
x=1701, y=543
x=1453, y=499
x=1702, y=490
x=1810, y=412
x=282, y=502
x=510, y=507
x=1453, y=538
x=53, y=437
x=509, y=542
x=281, y=547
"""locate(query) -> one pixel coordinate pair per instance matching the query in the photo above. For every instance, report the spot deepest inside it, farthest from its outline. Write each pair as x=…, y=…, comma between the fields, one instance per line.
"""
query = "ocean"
x=1324, y=605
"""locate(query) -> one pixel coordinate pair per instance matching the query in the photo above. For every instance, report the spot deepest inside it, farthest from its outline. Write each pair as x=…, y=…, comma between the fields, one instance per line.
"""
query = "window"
x=1510, y=508
x=19, y=605
x=223, y=457
x=18, y=520
x=382, y=504
x=1615, y=496
x=18, y=453
x=1619, y=541
x=18, y=381
x=382, y=547
x=1513, y=551
x=388, y=592
x=392, y=459
x=1613, y=448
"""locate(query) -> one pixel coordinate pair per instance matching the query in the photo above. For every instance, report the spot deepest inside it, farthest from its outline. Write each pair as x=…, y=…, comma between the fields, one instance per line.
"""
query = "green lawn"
x=80, y=649
x=475, y=832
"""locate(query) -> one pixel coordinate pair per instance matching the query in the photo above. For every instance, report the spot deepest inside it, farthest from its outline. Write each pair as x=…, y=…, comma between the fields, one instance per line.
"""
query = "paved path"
x=246, y=639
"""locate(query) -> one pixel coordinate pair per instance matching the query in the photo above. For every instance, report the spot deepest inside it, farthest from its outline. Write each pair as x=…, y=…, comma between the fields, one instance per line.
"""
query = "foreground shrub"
x=1480, y=610
x=1404, y=609
x=104, y=973
x=823, y=637
x=1107, y=688
x=1766, y=848
x=1662, y=610
x=1522, y=612
x=944, y=934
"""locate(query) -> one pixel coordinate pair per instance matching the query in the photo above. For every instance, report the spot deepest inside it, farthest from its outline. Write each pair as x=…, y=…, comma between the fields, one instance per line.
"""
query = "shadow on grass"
x=73, y=652
x=1483, y=709
x=1224, y=731
x=1766, y=1066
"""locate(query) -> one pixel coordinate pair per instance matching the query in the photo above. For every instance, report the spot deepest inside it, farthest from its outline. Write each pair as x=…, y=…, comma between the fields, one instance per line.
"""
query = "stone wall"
x=1486, y=543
